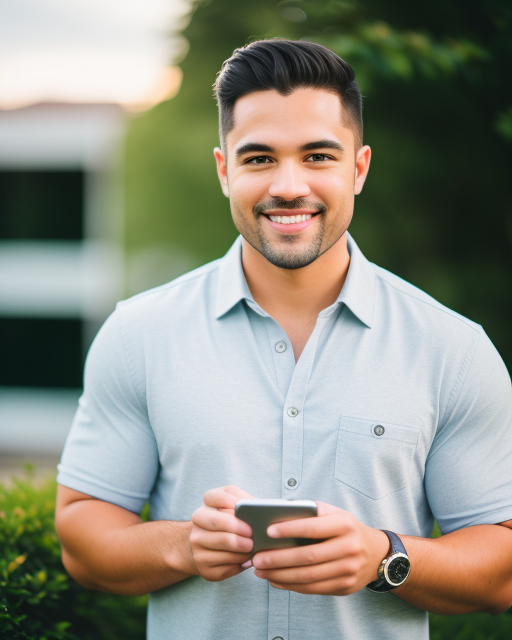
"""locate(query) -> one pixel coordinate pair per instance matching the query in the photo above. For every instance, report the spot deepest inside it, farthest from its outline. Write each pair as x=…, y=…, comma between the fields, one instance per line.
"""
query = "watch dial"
x=398, y=570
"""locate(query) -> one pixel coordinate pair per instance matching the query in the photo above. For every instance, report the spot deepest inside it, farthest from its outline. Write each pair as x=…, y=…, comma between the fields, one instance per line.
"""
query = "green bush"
x=38, y=600
x=471, y=626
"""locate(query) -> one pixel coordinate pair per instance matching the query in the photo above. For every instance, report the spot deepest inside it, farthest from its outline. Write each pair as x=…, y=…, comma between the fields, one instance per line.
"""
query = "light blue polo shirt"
x=192, y=386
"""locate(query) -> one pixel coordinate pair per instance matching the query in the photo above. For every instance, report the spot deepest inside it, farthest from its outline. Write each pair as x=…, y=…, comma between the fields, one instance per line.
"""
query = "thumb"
x=325, y=509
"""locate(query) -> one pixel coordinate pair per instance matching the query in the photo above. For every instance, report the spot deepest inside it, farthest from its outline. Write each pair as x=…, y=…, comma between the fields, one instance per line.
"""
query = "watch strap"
x=396, y=544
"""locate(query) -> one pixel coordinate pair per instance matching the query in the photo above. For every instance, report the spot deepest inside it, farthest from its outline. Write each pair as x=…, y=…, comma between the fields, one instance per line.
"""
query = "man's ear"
x=362, y=167
x=222, y=170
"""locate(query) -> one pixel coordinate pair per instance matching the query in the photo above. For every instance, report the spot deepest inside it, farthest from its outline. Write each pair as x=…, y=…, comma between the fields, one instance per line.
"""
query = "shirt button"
x=278, y=638
x=293, y=412
x=280, y=346
x=379, y=430
x=292, y=482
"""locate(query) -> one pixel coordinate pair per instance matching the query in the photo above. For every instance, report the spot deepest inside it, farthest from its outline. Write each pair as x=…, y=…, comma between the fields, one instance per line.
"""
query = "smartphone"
x=261, y=513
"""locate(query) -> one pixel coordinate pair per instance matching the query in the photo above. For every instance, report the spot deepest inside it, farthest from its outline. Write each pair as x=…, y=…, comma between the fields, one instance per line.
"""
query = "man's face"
x=290, y=173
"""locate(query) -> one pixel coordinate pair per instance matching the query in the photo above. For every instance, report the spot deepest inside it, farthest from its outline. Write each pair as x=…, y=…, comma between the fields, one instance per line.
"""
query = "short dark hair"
x=286, y=65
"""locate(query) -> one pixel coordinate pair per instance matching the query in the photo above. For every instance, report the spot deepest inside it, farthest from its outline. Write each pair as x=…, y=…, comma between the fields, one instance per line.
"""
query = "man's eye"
x=258, y=160
x=318, y=157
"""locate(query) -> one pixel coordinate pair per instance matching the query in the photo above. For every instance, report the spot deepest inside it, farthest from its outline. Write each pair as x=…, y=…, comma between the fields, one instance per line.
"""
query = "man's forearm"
x=464, y=571
x=110, y=549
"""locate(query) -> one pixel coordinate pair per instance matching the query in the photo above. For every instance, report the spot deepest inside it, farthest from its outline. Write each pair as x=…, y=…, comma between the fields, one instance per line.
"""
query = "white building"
x=61, y=265
x=67, y=72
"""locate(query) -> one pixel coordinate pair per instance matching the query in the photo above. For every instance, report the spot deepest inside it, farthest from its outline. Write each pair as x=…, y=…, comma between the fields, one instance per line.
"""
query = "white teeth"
x=290, y=219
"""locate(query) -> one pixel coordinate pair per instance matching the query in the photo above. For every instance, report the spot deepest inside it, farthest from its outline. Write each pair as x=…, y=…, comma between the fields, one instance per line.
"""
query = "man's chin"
x=285, y=254
x=289, y=259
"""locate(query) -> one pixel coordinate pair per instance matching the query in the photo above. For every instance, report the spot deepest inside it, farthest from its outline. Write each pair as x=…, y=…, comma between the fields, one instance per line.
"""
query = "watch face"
x=398, y=570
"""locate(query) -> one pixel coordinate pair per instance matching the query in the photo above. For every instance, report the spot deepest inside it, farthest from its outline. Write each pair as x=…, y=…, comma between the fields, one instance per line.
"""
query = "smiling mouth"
x=291, y=219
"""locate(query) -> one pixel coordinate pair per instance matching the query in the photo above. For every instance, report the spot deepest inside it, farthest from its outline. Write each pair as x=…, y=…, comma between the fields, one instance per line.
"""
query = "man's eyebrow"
x=322, y=144
x=250, y=147
x=253, y=146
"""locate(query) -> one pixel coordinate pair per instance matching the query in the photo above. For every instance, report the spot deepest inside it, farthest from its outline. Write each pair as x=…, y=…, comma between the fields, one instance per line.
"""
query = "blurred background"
x=108, y=185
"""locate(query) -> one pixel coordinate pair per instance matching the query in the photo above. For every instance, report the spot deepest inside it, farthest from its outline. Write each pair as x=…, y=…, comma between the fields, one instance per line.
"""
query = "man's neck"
x=296, y=295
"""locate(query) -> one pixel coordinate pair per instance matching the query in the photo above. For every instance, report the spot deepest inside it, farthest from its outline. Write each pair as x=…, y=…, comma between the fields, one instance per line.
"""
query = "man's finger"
x=329, y=526
x=215, y=520
x=299, y=556
x=221, y=541
x=236, y=491
x=307, y=575
x=324, y=509
x=224, y=497
x=323, y=587
x=215, y=558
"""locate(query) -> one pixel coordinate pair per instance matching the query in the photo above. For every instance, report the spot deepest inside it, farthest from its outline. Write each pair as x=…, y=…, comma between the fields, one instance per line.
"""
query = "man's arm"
x=464, y=571
x=108, y=548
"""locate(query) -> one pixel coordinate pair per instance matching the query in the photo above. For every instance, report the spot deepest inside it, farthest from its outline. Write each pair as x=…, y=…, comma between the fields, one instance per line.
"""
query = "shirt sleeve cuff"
x=75, y=480
x=496, y=516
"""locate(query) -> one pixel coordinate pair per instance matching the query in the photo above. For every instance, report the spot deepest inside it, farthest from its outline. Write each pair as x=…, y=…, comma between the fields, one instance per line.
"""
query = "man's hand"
x=343, y=563
x=220, y=542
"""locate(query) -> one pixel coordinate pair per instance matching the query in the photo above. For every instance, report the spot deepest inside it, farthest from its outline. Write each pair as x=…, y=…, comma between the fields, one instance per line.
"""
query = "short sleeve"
x=110, y=452
x=469, y=468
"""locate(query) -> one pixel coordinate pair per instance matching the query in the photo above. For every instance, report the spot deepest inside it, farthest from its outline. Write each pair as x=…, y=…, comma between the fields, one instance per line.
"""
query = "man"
x=291, y=368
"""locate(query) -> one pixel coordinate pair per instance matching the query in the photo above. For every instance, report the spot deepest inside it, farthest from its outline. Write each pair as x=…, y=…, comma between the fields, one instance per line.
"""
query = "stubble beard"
x=292, y=257
x=286, y=257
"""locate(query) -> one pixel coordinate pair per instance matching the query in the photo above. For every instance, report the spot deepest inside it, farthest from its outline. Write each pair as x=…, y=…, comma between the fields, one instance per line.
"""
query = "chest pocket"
x=374, y=457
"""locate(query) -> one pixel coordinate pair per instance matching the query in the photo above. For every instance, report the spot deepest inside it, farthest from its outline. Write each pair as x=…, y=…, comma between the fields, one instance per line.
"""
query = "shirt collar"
x=358, y=292
x=232, y=285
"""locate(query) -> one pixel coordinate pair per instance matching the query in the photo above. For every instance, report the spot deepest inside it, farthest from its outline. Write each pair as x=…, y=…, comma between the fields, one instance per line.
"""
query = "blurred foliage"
x=438, y=116
x=436, y=531
x=473, y=626
x=504, y=123
x=38, y=600
x=379, y=50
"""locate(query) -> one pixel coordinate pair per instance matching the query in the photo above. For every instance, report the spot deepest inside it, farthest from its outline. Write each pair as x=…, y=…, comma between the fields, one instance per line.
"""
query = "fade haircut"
x=286, y=65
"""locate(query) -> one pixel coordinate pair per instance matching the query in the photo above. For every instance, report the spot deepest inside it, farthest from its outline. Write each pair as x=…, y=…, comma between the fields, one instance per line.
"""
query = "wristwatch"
x=395, y=567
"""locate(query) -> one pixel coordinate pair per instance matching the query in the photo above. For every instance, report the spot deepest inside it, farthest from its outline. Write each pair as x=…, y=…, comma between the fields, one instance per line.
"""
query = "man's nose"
x=289, y=183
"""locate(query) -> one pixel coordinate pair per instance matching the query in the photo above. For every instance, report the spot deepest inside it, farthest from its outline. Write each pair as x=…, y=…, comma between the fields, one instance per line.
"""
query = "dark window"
x=41, y=205
x=41, y=352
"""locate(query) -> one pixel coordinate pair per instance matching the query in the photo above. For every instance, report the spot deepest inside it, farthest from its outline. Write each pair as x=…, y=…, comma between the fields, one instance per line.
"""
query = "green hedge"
x=38, y=601
x=472, y=626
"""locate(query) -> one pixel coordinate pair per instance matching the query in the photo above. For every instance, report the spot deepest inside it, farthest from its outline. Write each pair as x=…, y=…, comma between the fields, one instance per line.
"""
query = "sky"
x=118, y=51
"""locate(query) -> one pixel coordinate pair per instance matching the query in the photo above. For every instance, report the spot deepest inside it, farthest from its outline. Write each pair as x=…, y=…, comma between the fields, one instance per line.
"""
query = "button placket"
x=293, y=436
x=278, y=613
x=282, y=355
x=293, y=415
